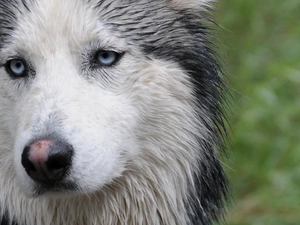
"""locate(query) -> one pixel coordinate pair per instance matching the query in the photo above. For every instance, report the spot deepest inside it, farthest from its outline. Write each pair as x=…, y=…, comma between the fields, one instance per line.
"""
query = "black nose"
x=47, y=160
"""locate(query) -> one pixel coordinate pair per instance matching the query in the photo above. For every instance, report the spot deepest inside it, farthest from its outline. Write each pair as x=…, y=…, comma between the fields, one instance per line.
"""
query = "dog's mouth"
x=54, y=187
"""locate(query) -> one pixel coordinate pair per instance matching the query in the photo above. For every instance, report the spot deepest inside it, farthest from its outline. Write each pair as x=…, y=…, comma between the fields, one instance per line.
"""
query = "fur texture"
x=145, y=130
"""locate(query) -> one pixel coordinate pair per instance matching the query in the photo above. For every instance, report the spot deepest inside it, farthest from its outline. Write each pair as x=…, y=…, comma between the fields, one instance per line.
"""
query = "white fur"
x=125, y=162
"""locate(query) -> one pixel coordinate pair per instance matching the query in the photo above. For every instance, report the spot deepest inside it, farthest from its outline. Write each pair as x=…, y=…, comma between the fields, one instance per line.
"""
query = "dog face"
x=113, y=101
x=73, y=76
x=67, y=80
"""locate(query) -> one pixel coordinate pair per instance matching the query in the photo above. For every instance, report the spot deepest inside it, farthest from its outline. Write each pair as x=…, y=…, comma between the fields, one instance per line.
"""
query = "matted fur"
x=145, y=131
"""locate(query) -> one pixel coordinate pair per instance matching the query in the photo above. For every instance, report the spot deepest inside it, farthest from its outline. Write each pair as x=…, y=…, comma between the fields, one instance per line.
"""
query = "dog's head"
x=94, y=90
x=104, y=92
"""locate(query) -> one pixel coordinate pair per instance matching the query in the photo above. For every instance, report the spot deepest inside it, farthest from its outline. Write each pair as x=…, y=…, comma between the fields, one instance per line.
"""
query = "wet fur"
x=153, y=122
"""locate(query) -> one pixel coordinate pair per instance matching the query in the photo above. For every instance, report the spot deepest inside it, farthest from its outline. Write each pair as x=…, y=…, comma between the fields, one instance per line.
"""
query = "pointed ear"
x=191, y=4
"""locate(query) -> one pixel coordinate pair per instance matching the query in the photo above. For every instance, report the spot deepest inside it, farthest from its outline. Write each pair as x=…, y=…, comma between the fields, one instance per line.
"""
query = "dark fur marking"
x=195, y=56
x=5, y=220
x=7, y=20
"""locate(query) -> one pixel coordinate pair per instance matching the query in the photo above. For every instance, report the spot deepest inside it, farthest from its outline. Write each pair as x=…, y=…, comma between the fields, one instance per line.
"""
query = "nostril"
x=60, y=158
x=56, y=163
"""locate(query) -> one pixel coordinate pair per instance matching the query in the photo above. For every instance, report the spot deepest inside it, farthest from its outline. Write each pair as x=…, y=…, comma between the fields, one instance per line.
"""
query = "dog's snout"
x=47, y=160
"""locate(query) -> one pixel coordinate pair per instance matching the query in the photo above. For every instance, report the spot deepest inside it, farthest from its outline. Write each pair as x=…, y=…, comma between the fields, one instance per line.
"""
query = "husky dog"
x=110, y=113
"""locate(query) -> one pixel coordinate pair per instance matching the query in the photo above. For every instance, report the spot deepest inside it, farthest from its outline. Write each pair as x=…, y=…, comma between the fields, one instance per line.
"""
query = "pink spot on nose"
x=39, y=151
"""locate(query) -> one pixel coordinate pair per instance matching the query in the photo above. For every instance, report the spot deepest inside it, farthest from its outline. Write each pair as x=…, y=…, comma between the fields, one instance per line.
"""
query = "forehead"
x=153, y=26
x=72, y=21
x=54, y=22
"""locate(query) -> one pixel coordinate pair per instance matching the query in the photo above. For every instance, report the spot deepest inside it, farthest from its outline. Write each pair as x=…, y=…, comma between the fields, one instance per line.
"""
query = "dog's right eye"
x=106, y=58
x=16, y=68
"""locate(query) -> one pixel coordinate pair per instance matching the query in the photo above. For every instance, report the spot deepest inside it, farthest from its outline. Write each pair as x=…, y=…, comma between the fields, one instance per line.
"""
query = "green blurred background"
x=261, y=45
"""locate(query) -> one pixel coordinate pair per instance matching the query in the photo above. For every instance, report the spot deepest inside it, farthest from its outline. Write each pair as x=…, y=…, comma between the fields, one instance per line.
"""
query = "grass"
x=262, y=53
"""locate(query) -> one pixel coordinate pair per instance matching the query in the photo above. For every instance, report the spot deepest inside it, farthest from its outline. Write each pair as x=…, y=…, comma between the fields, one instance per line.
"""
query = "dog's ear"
x=191, y=4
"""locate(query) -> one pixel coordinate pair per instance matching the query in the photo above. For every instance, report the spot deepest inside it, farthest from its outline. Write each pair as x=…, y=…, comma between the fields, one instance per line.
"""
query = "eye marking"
x=16, y=68
x=107, y=58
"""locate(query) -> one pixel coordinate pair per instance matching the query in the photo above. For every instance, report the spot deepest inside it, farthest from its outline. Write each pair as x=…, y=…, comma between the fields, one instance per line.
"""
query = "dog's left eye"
x=107, y=58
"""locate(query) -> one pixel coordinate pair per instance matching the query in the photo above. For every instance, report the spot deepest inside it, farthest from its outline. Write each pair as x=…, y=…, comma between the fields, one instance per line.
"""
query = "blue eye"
x=107, y=58
x=16, y=68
